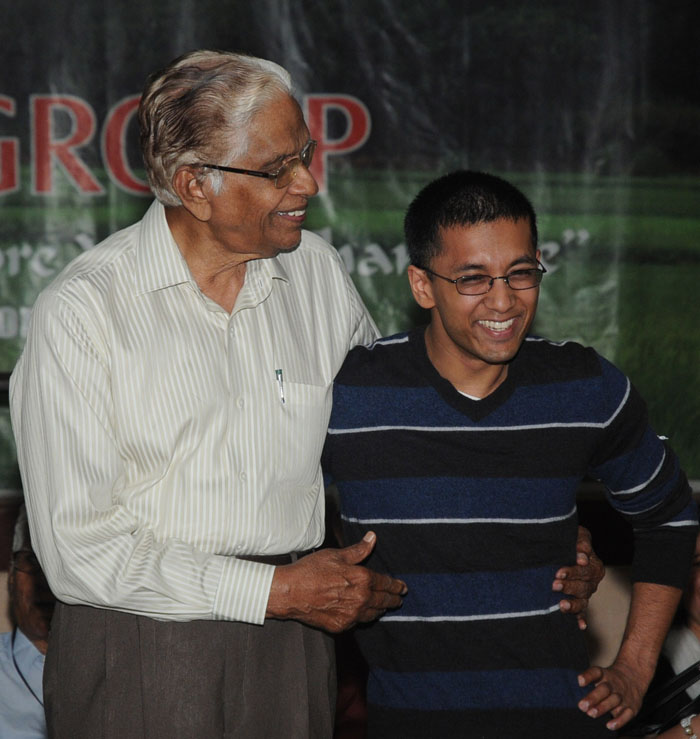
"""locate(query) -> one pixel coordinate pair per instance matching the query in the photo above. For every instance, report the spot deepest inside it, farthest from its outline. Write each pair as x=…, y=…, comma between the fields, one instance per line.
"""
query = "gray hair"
x=198, y=108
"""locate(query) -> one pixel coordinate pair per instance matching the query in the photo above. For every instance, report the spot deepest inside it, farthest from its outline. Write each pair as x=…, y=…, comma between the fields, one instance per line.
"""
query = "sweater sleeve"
x=646, y=484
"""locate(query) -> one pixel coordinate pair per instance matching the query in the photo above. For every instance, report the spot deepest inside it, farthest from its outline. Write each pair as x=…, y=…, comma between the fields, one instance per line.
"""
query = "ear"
x=421, y=287
x=193, y=193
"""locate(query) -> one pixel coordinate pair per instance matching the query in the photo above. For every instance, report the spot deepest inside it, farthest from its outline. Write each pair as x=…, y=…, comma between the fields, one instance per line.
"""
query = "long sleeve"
x=91, y=543
x=646, y=485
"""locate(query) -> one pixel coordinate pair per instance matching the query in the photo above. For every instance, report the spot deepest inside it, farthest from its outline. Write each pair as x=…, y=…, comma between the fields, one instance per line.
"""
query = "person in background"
x=22, y=650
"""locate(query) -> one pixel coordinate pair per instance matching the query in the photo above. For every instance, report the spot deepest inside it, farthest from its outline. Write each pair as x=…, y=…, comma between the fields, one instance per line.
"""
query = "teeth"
x=498, y=325
x=294, y=213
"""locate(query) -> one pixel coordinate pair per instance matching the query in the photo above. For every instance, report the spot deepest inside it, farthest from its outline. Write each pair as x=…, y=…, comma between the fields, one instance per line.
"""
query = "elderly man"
x=170, y=408
x=22, y=650
x=462, y=445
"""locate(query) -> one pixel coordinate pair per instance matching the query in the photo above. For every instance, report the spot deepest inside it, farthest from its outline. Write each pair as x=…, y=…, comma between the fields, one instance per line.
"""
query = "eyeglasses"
x=282, y=176
x=518, y=279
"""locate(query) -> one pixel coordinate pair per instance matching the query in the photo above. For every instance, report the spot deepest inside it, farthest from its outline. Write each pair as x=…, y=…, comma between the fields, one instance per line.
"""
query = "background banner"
x=592, y=108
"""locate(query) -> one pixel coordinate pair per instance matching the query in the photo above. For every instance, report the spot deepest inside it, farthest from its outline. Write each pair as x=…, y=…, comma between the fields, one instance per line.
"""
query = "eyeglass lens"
x=288, y=170
x=522, y=279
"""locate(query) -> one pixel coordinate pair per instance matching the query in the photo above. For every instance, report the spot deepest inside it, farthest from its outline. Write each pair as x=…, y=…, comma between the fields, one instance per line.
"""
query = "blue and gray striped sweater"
x=474, y=505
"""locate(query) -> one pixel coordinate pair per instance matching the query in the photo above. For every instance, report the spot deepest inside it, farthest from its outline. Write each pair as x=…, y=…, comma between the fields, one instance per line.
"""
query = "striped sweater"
x=474, y=505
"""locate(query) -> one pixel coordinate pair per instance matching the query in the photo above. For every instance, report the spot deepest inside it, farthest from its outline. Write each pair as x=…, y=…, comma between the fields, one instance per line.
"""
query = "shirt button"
x=240, y=402
x=243, y=476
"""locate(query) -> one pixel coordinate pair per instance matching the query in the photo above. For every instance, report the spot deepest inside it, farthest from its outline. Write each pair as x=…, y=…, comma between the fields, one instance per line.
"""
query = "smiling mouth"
x=292, y=213
x=498, y=325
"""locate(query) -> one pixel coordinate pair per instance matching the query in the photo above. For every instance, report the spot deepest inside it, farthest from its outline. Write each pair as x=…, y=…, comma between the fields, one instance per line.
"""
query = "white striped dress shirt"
x=160, y=436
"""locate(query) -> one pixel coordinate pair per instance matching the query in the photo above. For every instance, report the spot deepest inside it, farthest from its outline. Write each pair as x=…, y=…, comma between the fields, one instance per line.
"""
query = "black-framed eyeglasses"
x=518, y=279
x=282, y=176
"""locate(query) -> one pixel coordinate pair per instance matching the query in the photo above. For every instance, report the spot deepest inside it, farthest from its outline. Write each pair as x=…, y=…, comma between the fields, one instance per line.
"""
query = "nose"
x=304, y=182
x=500, y=297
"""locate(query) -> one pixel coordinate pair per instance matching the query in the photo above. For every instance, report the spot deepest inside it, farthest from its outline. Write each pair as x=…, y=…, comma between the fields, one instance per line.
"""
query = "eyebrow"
x=277, y=161
x=482, y=268
x=280, y=159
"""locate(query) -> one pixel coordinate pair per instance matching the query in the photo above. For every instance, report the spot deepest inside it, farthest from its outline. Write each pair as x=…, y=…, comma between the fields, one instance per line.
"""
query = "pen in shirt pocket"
x=280, y=382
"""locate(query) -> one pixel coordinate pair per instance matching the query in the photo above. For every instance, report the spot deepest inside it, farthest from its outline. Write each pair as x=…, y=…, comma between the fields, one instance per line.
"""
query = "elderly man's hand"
x=581, y=580
x=331, y=591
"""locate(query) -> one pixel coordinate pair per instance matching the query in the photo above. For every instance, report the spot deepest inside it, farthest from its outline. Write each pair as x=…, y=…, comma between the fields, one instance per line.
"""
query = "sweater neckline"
x=474, y=409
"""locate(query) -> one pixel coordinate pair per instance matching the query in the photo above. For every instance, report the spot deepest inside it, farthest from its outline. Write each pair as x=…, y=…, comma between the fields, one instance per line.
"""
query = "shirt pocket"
x=300, y=360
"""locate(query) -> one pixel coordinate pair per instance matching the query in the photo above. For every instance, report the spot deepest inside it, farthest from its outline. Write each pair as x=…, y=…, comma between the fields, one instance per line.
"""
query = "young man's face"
x=487, y=329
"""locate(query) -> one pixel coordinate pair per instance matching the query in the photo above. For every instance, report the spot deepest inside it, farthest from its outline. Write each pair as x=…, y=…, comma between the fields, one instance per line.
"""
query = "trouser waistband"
x=275, y=559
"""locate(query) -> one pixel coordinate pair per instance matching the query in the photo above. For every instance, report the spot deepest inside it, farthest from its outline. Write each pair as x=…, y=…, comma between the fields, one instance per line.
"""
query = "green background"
x=592, y=108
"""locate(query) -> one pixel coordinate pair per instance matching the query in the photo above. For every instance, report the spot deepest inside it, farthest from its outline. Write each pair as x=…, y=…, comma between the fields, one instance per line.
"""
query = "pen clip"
x=280, y=383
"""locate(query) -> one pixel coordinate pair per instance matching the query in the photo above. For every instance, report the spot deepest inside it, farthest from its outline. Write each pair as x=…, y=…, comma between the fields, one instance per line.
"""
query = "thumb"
x=355, y=553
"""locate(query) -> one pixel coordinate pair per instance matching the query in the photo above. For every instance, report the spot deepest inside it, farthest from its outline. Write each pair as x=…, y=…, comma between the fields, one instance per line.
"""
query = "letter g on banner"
x=358, y=126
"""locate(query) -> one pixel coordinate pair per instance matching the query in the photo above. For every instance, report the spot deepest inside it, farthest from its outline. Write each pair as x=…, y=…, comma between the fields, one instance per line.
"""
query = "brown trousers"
x=113, y=675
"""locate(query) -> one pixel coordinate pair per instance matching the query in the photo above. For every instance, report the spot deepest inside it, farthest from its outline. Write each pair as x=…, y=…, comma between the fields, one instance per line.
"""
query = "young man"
x=463, y=445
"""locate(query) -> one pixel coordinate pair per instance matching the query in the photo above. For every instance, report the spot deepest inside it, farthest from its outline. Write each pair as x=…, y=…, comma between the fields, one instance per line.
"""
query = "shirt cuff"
x=244, y=589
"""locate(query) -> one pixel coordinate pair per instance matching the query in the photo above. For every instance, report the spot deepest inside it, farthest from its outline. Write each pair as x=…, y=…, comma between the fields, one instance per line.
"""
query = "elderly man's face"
x=251, y=215
x=31, y=600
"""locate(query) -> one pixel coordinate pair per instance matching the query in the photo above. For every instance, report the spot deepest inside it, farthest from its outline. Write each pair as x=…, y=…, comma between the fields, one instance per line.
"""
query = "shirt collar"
x=160, y=264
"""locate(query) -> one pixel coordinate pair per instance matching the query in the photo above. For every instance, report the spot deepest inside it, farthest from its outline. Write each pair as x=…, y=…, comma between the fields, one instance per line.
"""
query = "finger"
x=580, y=572
x=619, y=721
x=584, y=541
x=573, y=606
x=600, y=708
x=391, y=587
x=582, y=623
x=590, y=703
x=575, y=588
x=590, y=676
x=373, y=612
x=386, y=583
x=356, y=553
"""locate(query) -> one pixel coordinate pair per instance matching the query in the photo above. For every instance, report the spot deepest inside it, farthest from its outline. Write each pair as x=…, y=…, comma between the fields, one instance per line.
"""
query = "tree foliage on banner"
x=593, y=108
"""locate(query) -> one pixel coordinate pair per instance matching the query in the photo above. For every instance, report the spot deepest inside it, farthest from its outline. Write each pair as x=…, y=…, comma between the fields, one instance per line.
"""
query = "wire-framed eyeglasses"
x=518, y=279
x=282, y=176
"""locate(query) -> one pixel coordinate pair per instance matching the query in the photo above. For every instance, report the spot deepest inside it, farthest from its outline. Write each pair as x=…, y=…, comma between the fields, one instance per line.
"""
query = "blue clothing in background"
x=21, y=714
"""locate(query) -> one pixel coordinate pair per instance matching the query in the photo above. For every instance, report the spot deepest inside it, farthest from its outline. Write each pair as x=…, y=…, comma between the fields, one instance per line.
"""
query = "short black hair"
x=461, y=198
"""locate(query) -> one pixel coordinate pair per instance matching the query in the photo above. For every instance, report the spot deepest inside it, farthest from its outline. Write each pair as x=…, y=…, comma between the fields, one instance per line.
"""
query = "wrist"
x=278, y=599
